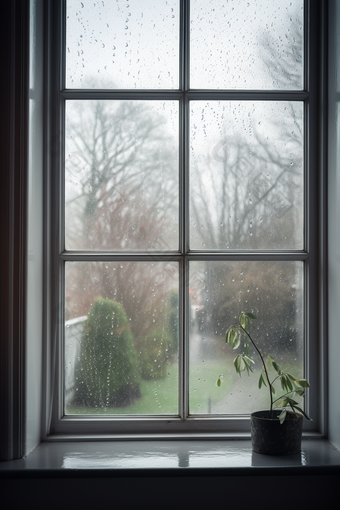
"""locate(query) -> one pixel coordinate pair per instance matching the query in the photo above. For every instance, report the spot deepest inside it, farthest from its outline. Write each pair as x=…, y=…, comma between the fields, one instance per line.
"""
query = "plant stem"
x=264, y=366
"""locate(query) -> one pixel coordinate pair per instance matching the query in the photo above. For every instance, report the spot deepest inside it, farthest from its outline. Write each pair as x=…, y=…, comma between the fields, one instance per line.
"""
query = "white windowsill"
x=168, y=458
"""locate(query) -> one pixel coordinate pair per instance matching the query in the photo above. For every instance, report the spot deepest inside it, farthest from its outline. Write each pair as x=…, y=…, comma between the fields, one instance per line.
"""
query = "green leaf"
x=274, y=364
x=250, y=315
x=303, y=382
x=248, y=358
x=236, y=341
x=229, y=334
x=283, y=382
x=276, y=367
x=243, y=321
x=273, y=389
x=237, y=364
x=282, y=416
x=292, y=378
x=291, y=401
x=233, y=336
x=242, y=364
x=262, y=379
x=289, y=384
x=286, y=383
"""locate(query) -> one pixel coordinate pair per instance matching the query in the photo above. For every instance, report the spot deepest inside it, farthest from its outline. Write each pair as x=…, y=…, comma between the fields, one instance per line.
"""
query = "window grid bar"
x=184, y=194
x=181, y=169
x=176, y=257
x=156, y=95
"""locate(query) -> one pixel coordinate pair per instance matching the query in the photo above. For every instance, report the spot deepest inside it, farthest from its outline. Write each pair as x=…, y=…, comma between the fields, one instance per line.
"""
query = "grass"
x=160, y=397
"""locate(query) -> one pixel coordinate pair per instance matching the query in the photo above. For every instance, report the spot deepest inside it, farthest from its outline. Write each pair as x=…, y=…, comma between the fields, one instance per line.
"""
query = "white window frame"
x=55, y=424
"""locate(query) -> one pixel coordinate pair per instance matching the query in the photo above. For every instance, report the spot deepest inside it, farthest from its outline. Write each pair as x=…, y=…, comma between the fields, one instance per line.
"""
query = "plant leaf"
x=261, y=380
x=236, y=341
x=286, y=383
x=248, y=358
x=243, y=321
x=233, y=337
x=283, y=382
x=303, y=382
x=274, y=364
x=292, y=378
x=264, y=378
x=282, y=416
x=237, y=364
x=250, y=315
x=276, y=367
x=291, y=401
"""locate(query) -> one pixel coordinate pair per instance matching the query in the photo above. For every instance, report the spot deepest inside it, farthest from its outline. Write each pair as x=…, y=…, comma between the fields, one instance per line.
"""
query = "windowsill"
x=78, y=459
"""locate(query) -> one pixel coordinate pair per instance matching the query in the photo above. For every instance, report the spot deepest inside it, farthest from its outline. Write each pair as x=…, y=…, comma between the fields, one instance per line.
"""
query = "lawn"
x=161, y=396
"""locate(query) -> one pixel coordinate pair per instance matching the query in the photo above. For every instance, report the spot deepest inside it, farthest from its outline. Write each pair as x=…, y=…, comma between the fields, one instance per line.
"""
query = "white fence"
x=73, y=335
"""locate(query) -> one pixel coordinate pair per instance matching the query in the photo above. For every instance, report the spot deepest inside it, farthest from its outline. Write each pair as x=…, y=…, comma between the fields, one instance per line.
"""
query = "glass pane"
x=119, y=45
x=246, y=44
x=246, y=175
x=273, y=291
x=121, y=174
x=121, y=338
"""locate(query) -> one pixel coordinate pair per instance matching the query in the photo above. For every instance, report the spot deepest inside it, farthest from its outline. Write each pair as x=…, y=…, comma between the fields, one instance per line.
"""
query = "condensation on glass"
x=122, y=45
x=252, y=44
x=246, y=175
x=121, y=338
x=219, y=292
x=121, y=175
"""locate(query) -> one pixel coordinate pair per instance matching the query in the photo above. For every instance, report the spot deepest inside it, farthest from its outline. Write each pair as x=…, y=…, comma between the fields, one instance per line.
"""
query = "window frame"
x=233, y=426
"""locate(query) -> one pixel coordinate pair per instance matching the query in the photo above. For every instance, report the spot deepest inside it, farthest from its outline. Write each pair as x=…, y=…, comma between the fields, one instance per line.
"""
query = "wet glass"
x=246, y=44
x=121, y=338
x=246, y=175
x=122, y=45
x=121, y=175
x=219, y=293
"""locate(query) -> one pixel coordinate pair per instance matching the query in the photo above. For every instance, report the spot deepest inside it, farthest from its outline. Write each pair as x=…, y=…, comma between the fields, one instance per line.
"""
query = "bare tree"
x=247, y=193
x=116, y=150
x=121, y=194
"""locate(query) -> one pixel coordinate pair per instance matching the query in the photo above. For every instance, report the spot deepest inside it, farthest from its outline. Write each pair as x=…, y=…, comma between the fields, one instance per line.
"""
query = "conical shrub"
x=107, y=372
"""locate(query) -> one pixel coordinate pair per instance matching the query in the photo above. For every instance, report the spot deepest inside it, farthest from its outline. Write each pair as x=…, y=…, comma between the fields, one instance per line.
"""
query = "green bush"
x=107, y=372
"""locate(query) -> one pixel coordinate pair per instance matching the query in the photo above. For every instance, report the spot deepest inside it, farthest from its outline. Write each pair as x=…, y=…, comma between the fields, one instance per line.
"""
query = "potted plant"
x=276, y=431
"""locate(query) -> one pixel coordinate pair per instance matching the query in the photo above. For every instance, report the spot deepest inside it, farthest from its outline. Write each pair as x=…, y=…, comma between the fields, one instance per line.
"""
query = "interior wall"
x=334, y=219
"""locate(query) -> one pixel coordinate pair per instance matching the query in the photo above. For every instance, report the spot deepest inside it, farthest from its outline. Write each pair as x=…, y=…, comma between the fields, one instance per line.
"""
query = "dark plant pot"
x=268, y=436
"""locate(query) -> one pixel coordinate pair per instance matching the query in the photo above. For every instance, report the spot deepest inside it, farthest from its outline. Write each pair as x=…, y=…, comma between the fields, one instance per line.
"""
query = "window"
x=186, y=194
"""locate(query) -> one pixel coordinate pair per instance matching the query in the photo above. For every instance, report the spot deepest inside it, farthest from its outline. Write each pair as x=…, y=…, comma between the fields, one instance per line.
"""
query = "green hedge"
x=107, y=372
